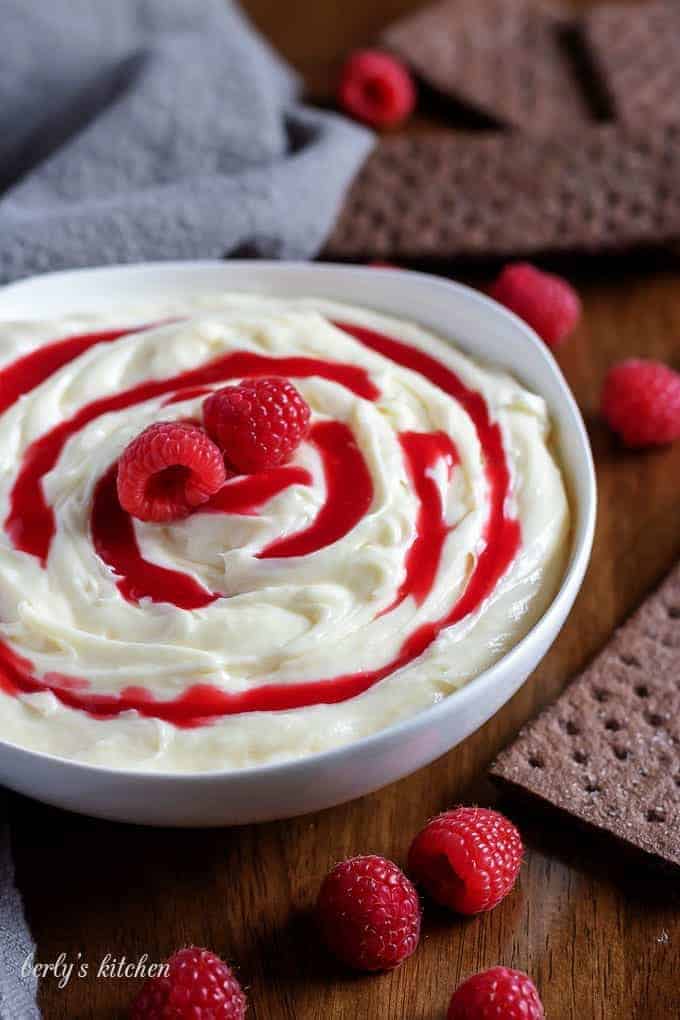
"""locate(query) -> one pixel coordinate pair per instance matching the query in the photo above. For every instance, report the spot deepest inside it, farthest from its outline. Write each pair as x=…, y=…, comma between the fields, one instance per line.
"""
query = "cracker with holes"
x=608, y=751
x=506, y=59
x=447, y=194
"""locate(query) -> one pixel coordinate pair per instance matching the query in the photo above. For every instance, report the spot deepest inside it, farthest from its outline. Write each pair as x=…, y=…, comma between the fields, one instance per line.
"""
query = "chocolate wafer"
x=506, y=59
x=635, y=51
x=607, y=187
x=608, y=751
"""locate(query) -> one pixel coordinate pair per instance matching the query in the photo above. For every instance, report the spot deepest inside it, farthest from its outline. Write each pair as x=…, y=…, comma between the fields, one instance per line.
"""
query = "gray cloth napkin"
x=157, y=129
x=17, y=989
x=150, y=129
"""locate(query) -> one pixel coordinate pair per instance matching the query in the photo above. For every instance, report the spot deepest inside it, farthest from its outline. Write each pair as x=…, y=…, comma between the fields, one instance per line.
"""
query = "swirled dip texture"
x=415, y=536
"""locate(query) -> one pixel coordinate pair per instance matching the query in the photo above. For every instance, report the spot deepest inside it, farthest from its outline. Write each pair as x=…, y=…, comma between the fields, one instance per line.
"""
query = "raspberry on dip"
x=246, y=529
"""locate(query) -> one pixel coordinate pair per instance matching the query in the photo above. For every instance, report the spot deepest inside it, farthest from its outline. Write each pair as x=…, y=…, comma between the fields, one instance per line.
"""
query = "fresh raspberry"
x=258, y=423
x=548, y=303
x=170, y=468
x=368, y=913
x=198, y=986
x=641, y=401
x=467, y=859
x=496, y=993
x=376, y=88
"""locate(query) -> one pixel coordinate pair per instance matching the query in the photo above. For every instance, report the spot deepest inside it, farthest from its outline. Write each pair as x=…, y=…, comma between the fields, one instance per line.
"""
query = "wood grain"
x=601, y=941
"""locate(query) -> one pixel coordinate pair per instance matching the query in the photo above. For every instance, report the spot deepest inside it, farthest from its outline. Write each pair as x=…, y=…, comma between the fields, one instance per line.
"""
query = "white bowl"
x=476, y=324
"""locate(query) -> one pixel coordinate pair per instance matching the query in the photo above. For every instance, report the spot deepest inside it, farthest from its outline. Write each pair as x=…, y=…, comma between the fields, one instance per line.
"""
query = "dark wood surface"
x=601, y=939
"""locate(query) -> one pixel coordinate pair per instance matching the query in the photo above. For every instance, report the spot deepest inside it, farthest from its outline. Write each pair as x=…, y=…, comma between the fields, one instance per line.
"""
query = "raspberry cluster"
x=369, y=917
x=173, y=467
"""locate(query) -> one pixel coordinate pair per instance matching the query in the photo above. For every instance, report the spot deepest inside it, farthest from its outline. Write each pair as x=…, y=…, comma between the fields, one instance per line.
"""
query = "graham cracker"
x=506, y=59
x=447, y=194
x=635, y=50
x=608, y=751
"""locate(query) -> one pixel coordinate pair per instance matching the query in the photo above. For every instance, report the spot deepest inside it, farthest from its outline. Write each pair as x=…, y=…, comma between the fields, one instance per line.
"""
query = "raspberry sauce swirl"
x=374, y=557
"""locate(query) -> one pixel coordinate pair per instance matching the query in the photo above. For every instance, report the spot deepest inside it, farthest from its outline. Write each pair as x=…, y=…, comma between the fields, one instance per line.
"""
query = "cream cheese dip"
x=415, y=536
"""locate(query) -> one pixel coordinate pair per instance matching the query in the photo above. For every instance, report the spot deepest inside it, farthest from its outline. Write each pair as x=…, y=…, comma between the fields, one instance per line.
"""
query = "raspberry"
x=641, y=402
x=198, y=986
x=495, y=993
x=170, y=468
x=368, y=913
x=258, y=423
x=546, y=302
x=376, y=88
x=467, y=859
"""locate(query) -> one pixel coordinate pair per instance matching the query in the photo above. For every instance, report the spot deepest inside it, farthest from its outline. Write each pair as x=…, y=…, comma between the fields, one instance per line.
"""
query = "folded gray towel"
x=157, y=129
x=17, y=981
x=150, y=129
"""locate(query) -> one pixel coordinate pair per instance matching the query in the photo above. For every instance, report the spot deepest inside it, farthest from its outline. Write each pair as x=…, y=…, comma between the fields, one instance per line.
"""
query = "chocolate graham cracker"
x=608, y=751
x=445, y=194
x=504, y=58
x=635, y=50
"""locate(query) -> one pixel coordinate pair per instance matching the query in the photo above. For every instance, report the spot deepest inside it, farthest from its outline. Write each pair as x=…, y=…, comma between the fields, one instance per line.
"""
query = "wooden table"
x=601, y=941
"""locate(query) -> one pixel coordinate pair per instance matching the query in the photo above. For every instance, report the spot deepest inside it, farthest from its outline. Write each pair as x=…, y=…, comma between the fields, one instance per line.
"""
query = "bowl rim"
x=582, y=532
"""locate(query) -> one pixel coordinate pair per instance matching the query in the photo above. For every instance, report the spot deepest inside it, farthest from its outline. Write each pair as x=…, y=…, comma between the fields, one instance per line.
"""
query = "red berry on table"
x=496, y=993
x=168, y=470
x=641, y=402
x=198, y=986
x=368, y=913
x=376, y=88
x=258, y=423
x=547, y=303
x=467, y=859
